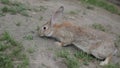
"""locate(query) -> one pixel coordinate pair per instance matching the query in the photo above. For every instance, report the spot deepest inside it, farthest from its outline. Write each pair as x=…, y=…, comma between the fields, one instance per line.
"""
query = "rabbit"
x=94, y=42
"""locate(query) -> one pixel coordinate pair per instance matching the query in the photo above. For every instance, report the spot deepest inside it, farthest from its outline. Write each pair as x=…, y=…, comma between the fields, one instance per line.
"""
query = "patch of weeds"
x=103, y=4
x=98, y=27
x=73, y=60
x=40, y=18
x=31, y=50
x=24, y=13
x=84, y=57
x=63, y=54
x=14, y=8
x=28, y=37
x=11, y=9
x=90, y=7
x=42, y=8
x=2, y=14
x=39, y=8
x=24, y=64
x=73, y=12
x=3, y=47
x=8, y=38
x=18, y=24
x=5, y=61
x=16, y=51
x=5, y=9
x=112, y=66
x=11, y=51
x=70, y=60
x=5, y=1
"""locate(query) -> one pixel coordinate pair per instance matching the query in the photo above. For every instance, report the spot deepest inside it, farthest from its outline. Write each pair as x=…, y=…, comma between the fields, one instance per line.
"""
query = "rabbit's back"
x=97, y=43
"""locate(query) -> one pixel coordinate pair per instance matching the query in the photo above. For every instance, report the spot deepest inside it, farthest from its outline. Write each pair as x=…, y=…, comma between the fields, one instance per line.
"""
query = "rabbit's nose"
x=40, y=34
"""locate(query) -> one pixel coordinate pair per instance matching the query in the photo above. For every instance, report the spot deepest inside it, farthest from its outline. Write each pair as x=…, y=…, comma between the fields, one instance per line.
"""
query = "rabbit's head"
x=47, y=29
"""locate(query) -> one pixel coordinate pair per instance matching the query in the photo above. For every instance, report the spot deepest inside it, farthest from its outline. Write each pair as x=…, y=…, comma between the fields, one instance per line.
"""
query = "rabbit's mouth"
x=50, y=33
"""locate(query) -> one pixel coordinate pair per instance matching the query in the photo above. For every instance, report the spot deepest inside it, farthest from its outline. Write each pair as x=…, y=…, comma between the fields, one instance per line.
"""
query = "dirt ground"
x=44, y=55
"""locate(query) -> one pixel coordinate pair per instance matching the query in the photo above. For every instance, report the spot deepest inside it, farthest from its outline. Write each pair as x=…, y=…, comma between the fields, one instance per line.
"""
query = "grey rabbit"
x=95, y=42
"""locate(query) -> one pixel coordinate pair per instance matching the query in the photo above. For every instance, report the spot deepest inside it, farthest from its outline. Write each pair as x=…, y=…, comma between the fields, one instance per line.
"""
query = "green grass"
x=42, y=8
x=28, y=37
x=41, y=18
x=84, y=57
x=5, y=61
x=8, y=38
x=70, y=60
x=98, y=27
x=1, y=14
x=24, y=63
x=18, y=24
x=31, y=50
x=11, y=51
x=5, y=1
x=73, y=12
x=73, y=60
x=90, y=7
x=103, y=4
x=14, y=8
x=112, y=66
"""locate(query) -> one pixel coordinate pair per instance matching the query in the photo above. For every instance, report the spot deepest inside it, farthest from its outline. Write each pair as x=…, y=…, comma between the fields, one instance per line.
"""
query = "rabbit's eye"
x=44, y=28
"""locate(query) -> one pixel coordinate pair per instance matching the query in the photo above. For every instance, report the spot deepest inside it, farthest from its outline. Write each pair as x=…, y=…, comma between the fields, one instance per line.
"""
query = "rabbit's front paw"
x=104, y=63
x=58, y=43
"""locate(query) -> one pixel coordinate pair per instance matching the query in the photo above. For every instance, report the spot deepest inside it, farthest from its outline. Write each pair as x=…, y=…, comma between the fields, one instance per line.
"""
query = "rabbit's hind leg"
x=106, y=61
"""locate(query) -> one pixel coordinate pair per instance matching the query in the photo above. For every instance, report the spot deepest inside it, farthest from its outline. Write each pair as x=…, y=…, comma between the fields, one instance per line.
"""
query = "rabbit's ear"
x=57, y=15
